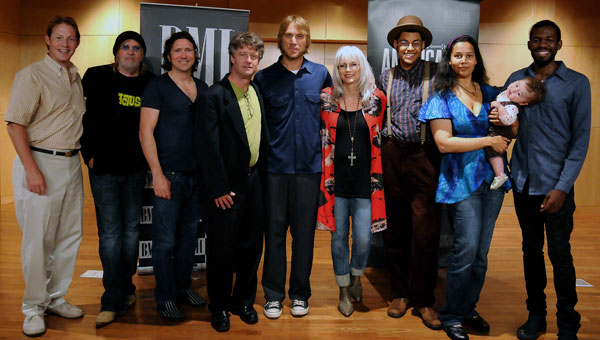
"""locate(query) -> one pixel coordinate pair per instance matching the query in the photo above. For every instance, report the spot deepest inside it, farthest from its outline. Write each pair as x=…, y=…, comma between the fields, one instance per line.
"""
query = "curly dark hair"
x=445, y=78
x=169, y=44
x=546, y=23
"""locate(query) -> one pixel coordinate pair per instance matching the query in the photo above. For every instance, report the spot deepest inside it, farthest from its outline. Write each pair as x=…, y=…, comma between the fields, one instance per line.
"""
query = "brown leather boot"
x=345, y=306
x=398, y=307
x=429, y=316
x=355, y=288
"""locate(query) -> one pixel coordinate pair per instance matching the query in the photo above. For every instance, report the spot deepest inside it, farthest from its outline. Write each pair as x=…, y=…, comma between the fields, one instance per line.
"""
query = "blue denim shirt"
x=554, y=134
x=292, y=106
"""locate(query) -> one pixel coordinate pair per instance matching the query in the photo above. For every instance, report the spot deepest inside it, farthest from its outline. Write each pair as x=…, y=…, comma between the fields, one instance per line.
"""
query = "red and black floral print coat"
x=373, y=113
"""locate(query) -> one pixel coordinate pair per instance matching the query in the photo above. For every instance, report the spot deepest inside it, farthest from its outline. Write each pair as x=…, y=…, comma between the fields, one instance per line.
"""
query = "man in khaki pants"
x=44, y=124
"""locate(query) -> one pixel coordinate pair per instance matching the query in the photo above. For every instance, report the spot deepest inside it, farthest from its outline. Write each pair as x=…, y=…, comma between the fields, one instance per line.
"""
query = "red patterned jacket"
x=373, y=114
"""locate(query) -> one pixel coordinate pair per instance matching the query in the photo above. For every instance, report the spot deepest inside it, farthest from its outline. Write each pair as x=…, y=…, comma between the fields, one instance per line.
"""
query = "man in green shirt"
x=233, y=145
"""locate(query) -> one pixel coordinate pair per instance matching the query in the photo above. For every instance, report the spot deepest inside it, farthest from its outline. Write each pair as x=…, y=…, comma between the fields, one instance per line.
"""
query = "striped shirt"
x=405, y=100
x=49, y=105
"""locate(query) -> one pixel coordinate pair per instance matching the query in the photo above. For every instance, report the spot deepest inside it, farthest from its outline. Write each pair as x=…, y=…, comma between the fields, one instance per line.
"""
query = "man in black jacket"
x=234, y=146
x=111, y=149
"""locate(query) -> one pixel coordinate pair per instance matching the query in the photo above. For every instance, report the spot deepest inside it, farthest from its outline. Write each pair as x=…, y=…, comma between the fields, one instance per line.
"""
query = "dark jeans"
x=291, y=200
x=474, y=219
x=174, y=236
x=118, y=201
x=412, y=238
x=234, y=245
x=558, y=228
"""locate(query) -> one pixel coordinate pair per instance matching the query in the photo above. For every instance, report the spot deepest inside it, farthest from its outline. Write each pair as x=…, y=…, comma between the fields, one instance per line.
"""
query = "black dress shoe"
x=477, y=323
x=220, y=321
x=456, y=332
x=247, y=314
x=532, y=329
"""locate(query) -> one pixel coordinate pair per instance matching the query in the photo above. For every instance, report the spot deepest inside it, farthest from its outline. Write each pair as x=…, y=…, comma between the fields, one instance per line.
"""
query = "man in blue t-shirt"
x=291, y=88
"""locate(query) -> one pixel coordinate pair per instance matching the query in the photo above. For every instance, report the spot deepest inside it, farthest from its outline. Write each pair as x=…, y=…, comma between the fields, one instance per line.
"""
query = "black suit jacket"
x=223, y=144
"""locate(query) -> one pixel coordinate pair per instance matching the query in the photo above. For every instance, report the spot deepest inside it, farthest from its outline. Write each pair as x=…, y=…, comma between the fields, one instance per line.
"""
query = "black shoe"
x=247, y=314
x=569, y=336
x=220, y=321
x=477, y=323
x=456, y=332
x=192, y=298
x=532, y=329
x=169, y=311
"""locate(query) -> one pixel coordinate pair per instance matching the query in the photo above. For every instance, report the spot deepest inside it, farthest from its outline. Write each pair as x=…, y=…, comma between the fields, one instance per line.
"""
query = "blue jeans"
x=118, y=201
x=474, y=219
x=360, y=211
x=174, y=234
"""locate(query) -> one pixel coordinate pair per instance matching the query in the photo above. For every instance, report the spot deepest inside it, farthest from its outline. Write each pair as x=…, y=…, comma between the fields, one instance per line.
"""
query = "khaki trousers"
x=51, y=226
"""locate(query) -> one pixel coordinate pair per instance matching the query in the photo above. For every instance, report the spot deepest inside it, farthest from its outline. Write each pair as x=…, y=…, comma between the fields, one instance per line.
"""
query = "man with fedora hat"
x=410, y=168
x=111, y=149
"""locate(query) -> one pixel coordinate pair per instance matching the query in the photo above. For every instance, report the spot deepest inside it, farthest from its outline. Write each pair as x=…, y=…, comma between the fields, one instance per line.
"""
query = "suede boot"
x=355, y=288
x=345, y=306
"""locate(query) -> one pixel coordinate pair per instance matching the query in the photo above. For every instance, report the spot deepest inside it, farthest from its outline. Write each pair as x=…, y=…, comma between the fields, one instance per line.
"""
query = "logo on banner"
x=146, y=217
x=145, y=251
x=432, y=53
x=207, y=50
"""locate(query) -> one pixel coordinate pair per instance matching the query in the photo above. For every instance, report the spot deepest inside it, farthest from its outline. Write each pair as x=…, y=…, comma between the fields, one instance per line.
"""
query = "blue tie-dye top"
x=462, y=173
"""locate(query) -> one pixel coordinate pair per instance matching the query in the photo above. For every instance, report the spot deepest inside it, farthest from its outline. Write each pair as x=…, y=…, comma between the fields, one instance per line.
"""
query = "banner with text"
x=212, y=29
x=444, y=18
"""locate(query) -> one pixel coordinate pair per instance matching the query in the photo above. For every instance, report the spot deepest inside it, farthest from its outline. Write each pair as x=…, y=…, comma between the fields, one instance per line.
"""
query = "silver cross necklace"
x=352, y=130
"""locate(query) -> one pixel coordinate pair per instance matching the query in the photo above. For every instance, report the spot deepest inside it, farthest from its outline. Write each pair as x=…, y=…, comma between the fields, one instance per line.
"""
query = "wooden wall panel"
x=265, y=15
x=10, y=18
x=579, y=21
x=98, y=17
x=129, y=10
x=501, y=24
x=347, y=20
x=501, y=60
x=10, y=52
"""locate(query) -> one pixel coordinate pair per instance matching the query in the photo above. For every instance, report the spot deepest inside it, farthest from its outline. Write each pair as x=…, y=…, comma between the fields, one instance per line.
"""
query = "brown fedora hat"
x=409, y=23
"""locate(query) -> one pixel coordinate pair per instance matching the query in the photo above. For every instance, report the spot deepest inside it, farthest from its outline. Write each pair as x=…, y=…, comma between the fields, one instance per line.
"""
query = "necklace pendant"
x=351, y=157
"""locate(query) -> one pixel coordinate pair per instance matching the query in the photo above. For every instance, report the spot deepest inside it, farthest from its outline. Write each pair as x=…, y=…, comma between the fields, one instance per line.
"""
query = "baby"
x=519, y=93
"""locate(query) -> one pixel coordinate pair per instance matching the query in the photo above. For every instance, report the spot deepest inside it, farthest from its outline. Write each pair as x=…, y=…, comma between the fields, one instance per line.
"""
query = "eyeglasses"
x=135, y=48
x=352, y=66
x=405, y=43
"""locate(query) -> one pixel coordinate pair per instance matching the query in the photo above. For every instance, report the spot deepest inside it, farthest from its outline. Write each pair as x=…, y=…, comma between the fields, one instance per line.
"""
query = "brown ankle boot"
x=345, y=306
x=355, y=288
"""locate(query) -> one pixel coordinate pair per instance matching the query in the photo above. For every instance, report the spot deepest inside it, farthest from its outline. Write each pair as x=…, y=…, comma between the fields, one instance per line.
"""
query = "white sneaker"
x=299, y=307
x=498, y=181
x=272, y=309
x=34, y=325
x=65, y=310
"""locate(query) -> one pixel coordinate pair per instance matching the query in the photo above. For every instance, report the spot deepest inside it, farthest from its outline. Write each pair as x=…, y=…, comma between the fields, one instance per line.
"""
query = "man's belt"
x=56, y=153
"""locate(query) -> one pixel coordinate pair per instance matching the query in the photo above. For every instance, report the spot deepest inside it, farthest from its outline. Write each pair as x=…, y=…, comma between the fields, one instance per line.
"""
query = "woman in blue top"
x=458, y=115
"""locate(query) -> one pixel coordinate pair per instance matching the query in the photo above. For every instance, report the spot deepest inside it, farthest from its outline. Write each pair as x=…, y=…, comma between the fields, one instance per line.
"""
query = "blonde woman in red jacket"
x=351, y=182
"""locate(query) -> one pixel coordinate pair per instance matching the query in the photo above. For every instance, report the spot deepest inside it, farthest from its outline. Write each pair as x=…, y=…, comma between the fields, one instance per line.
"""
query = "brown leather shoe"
x=429, y=317
x=398, y=307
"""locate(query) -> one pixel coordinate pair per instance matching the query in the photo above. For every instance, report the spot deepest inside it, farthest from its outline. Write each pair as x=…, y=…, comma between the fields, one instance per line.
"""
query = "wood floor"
x=502, y=299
